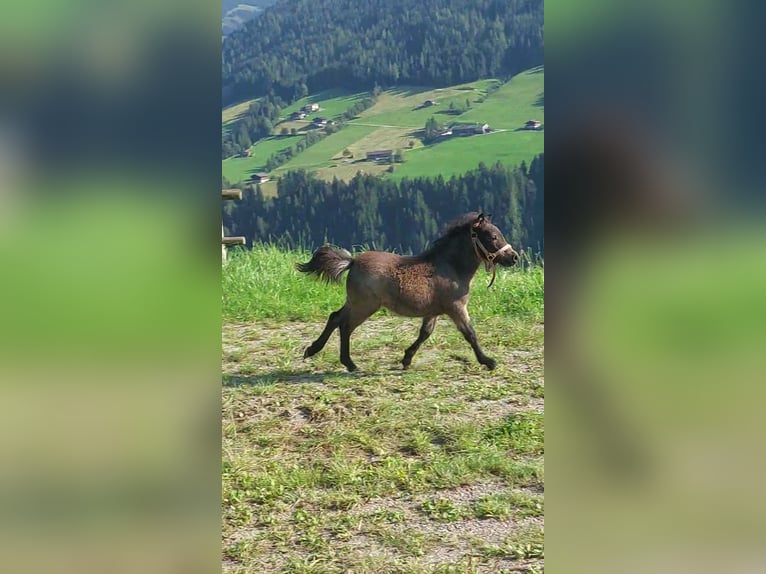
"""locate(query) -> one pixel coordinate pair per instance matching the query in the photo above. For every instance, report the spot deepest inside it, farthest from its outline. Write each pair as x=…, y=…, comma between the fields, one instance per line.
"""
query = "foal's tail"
x=328, y=263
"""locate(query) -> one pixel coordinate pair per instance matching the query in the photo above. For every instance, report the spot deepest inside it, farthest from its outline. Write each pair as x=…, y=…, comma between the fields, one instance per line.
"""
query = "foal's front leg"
x=462, y=321
x=425, y=331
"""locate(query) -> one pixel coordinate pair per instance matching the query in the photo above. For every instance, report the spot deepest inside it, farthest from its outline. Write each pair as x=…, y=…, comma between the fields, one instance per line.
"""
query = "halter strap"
x=489, y=258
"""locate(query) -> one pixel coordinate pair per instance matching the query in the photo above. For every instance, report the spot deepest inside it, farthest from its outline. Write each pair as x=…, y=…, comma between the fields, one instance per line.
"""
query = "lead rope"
x=494, y=271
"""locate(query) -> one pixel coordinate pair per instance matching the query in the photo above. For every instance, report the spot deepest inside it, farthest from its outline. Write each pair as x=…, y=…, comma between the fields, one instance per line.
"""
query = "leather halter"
x=489, y=258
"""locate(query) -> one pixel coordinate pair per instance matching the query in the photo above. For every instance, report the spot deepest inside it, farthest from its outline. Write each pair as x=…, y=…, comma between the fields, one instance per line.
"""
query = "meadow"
x=514, y=103
x=232, y=113
x=437, y=469
x=396, y=122
x=459, y=155
x=332, y=103
x=321, y=153
x=237, y=169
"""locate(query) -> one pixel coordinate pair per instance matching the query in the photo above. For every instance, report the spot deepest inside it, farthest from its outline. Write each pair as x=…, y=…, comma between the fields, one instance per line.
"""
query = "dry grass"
x=435, y=469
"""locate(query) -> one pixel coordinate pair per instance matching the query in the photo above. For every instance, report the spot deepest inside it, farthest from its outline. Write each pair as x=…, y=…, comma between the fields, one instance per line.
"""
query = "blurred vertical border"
x=109, y=286
x=655, y=287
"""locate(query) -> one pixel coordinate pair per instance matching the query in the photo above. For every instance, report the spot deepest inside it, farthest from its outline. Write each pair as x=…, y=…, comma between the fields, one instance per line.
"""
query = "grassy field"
x=321, y=154
x=450, y=157
x=395, y=121
x=241, y=168
x=513, y=104
x=438, y=469
x=231, y=114
x=332, y=103
x=404, y=106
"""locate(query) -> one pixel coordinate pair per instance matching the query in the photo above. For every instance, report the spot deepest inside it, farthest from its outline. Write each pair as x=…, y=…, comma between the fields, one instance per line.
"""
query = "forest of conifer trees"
x=306, y=46
x=384, y=214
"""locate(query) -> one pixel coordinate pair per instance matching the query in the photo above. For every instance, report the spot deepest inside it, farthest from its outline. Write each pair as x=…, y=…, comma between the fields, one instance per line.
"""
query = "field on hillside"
x=451, y=156
x=241, y=168
x=232, y=113
x=396, y=121
x=332, y=103
x=438, y=469
x=321, y=154
x=516, y=101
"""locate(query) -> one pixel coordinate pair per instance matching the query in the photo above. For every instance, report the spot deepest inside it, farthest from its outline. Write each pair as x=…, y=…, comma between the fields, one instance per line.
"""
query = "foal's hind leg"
x=332, y=323
x=425, y=331
x=350, y=321
x=463, y=322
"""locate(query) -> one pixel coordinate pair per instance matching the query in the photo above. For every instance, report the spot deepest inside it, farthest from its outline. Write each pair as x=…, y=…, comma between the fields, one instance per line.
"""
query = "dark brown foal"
x=436, y=282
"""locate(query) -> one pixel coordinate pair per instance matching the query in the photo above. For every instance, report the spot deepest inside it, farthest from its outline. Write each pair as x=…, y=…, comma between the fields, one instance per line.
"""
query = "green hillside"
x=396, y=122
x=239, y=169
x=514, y=103
x=458, y=155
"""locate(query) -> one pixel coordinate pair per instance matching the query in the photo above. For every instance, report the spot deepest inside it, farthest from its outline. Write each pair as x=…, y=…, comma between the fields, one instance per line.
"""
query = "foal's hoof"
x=310, y=351
x=490, y=363
x=350, y=366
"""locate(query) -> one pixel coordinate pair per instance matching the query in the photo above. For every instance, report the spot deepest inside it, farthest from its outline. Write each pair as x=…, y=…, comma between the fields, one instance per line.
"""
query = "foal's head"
x=489, y=243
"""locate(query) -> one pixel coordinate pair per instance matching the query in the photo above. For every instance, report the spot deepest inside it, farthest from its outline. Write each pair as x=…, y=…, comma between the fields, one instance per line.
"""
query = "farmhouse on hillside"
x=320, y=122
x=308, y=108
x=297, y=115
x=245, y=153
x=532, y=125
x=260, y=177
x=469, y=129
x=383, y=155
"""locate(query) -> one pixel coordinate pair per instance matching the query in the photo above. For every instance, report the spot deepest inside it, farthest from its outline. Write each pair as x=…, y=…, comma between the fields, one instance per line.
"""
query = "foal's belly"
x=415, y=292
x=409, y=309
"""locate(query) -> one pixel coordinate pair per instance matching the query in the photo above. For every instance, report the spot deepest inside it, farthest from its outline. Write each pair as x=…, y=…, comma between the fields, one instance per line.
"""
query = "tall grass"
x=262, y=283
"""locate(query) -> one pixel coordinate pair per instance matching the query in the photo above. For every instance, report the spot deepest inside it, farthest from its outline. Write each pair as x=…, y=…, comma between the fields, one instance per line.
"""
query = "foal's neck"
x=460, y=254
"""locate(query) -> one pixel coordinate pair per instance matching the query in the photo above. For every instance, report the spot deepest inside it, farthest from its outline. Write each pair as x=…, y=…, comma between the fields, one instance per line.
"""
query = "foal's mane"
x=451, y=230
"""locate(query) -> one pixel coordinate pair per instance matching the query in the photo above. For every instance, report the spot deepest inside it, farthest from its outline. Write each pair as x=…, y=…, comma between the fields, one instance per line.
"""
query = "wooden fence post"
x=230, y=194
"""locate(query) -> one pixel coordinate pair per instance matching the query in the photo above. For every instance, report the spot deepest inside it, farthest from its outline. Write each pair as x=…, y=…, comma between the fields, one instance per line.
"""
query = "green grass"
x=237, y=169
x=456, y=156
x=320, y=154
x=332, y=103
x=263, y=283
x=377, y=471
x=513, y=104
x=524, y=545
x=232, y=113
x=403, y=106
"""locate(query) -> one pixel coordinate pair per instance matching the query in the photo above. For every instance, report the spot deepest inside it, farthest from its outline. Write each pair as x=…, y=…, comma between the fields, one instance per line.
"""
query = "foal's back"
x=408, y=286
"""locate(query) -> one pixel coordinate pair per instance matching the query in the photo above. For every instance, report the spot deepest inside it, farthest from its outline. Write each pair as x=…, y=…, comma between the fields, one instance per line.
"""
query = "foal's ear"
x=479, y=220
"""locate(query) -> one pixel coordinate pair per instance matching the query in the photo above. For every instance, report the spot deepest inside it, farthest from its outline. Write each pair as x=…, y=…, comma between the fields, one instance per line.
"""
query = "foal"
x=434, y=283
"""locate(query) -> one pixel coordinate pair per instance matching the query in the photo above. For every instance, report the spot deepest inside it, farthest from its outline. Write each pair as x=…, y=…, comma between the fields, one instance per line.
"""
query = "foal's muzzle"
x=508, y=259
